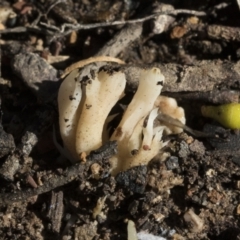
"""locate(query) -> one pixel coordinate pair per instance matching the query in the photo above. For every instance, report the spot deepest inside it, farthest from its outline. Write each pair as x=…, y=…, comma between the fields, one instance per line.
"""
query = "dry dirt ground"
x=193, y=194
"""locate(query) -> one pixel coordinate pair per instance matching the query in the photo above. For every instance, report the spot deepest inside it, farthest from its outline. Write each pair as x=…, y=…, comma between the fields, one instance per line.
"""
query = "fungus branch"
x=132, y=150
x=100, y=96
x=150, y=85
x=69, y=97
x=84, y=107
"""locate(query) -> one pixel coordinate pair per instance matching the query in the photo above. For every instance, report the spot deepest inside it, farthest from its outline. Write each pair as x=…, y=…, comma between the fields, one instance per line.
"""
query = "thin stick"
x=77, y=27
x=175, y=122
x=78, y=170
x=53, y=5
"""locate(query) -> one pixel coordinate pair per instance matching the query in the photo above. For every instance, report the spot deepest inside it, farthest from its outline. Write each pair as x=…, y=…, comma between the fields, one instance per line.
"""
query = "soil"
x=194, y=193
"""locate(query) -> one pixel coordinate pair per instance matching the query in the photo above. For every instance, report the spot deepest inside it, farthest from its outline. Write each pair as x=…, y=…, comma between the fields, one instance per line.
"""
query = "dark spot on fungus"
x=118, y=132
x=93, y=74
x=110, y=70
x=72, y=98
x=88, y=106
x=160, y=83
x=66, y=120
x=68, y=125
x=85, y=79
x=134, y=152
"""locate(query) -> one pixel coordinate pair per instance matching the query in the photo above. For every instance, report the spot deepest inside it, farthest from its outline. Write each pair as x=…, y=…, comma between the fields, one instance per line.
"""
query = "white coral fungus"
x=84, y=112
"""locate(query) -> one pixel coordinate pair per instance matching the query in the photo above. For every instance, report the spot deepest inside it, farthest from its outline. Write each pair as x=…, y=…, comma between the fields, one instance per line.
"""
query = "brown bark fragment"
x=223, y=32
x=204, y=76
x=55, y=212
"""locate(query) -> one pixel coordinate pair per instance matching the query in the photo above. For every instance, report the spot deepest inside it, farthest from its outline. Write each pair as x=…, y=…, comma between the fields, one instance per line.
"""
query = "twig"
x=78, y=170
x=26, y=29
x=41, y=14
x=35, y=22
x=121, y=40
x=52, y=27
x=220, y=6
x=223, y=32
x=55, y=211
x=53, y=5
x=175, y=122
x=77, y=27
